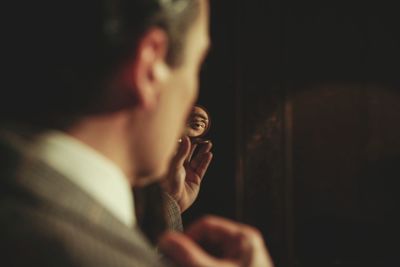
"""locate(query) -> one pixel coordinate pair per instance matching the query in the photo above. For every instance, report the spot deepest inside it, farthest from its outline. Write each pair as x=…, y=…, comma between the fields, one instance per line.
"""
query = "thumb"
x=182, y=153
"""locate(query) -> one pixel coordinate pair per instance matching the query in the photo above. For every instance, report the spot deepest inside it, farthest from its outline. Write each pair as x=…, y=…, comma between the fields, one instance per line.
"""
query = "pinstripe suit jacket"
x=45, y=220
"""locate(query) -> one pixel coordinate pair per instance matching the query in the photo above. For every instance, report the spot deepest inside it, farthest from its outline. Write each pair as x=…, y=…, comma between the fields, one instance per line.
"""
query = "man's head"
x=173, y=90
x=71, y=61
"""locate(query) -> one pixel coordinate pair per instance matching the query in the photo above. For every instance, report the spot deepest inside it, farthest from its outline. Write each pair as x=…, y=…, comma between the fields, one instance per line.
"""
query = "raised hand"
x=186, y=172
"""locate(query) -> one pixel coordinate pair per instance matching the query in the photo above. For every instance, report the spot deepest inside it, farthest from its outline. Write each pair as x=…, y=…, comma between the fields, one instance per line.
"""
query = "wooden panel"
x=304, y=97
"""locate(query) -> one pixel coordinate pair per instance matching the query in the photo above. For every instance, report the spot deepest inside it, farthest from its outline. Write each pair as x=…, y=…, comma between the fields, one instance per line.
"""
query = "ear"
x=150, y=69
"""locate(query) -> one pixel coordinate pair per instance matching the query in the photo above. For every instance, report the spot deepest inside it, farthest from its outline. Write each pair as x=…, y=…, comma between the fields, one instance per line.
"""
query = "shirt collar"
x=91, y=171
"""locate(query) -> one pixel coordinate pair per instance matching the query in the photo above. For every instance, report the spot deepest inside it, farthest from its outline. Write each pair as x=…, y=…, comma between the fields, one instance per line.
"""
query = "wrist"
x=173, y=213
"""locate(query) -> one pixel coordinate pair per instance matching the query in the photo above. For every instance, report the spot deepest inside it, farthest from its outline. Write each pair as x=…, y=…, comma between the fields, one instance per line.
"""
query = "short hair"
x=61, y=54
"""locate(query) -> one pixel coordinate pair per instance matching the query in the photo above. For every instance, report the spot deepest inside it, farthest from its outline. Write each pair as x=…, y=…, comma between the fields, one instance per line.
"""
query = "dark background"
x=305, y=102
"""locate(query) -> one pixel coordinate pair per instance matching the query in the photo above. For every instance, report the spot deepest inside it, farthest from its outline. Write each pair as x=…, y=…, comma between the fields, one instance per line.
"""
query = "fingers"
x=237, y=242
x=202, y=159
x=236, y=245
x=201, y=168
x=183, y=251
x=215, y=229
x=204, y=148
x=192, y=149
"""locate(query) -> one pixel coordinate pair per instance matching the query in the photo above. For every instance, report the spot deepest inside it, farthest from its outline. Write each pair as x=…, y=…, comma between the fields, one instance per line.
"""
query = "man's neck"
x=109, y=136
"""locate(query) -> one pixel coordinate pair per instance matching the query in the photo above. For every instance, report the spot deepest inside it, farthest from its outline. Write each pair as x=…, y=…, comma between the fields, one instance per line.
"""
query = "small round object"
x=198, y=123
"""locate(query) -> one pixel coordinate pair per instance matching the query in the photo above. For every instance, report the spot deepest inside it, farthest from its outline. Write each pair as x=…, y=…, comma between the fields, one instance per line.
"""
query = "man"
x=100, y=93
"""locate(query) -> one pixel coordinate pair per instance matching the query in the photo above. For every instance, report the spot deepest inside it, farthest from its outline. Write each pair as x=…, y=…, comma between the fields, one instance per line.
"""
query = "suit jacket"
x=156, y=212
x=46, y=220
